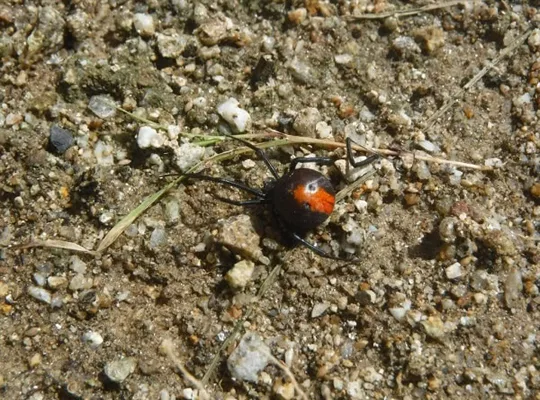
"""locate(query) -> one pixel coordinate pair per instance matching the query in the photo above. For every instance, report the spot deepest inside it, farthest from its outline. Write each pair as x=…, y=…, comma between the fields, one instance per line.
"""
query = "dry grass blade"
x=56, y=244
x=353, y=186
x=412, y=11
x=281, y=365
x=386, y=152
x=167, y=348
x=121, y=226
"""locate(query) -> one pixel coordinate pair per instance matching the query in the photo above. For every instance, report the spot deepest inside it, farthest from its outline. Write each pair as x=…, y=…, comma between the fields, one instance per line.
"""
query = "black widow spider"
x=301, y=199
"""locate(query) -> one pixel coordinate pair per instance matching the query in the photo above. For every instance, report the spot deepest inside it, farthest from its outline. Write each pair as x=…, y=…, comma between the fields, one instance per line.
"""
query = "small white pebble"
x=93, y=339
x=237, y=118
x=240, y=274
x=248, y=163
x=40, y=294
x=342, y=59
x=144, y=24
x=454, y=271
x=149, y=137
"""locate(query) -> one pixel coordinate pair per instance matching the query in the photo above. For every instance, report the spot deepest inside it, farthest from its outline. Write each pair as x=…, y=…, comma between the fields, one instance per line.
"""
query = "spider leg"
x=260, y=153
x=226, y=181
x=350, y=157
x=242, y=203
x=318, y=251
x=315, y=160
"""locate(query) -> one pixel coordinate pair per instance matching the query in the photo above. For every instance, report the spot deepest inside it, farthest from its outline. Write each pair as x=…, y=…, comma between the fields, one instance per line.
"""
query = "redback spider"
x=300, y=200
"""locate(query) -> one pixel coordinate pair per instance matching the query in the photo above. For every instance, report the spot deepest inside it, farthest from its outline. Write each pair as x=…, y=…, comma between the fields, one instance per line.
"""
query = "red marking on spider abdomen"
x=319, y=200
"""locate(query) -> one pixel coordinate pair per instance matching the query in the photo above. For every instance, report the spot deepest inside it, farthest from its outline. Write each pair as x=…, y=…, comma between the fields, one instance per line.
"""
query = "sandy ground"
x=442, y=300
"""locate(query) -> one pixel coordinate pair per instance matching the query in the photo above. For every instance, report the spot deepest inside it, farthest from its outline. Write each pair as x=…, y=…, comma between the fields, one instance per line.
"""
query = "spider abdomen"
x=303, y=199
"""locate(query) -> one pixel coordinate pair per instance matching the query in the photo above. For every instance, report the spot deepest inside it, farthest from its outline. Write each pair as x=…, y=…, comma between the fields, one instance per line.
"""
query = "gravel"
x=447, y=255
x=117, y=371
x=249, y=358
x=60, y=139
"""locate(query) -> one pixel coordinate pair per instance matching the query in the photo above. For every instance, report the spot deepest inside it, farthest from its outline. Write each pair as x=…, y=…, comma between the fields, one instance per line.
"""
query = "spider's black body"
x=301, y=199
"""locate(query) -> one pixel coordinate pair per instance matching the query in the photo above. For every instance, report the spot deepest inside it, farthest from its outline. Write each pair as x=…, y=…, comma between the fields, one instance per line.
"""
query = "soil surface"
x=442, y=297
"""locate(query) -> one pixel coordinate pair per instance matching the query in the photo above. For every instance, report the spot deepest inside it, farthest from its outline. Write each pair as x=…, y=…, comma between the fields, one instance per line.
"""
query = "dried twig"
x=56, y=244
x=167, y=348
x=412, y=11
x=281, y=365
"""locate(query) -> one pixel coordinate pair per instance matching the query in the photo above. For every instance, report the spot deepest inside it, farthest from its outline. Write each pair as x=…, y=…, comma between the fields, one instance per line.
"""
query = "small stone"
x=171, y=45
x=534, y=39
x=158, y=238
x=366, y=297
x=4, y=289
x=187, y=155
x=172, y=210
x=319, y=309
x=39, y=278
x=323, y=130
x=428, y=146
x=40, y=294
x=343, y=59
x=480, y=298
x=405, y=46
x=399, y=312
x=148, y=137
x=237, y=233
x=237, y=118
x=117, y=371
x=35, y=360
x=297, y=16
x=240, y=274
x=19, y=202
x=103, y=153
x=103, y=106
x=77, y=265
x=301, y=71
x=144, y=24
x=249, y=358
x=107, y=218
x=93, y=339
x=284, y=391
x=535, y=190
x=306, y=121
x=411, y=199
x=431, y=38
x=248, y=163
x=454, y=271
x=434, y=327
x=189, y=394
x=80, y=282
x=513, y=287
x=13, y=119
x=57, y=282
x=60, y=139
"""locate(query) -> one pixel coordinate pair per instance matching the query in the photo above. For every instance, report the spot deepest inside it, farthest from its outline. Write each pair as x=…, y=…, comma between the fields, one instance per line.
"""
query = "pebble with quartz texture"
x=237, y=233
x=240, y=274
x=117, y=371
x=249, y=358
x=149, y=138
x=103, y=106
x=93, y=339
x=40, y=294
x=144, y=24
x=238, y=119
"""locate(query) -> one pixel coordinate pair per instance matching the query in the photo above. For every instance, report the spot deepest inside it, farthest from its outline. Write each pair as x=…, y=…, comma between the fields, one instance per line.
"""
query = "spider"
x=301, y=199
